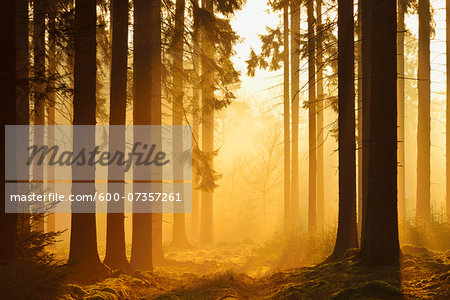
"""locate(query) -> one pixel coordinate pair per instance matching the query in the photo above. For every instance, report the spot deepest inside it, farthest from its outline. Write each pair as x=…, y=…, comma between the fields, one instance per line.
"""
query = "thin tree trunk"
x=347, y=236
x=116, y=257
x=206, y=230
x=39, y=91
x=401, y=109
x=360, y=118
x=8, y=222
x=447, y=135
x=83, y=237
x=320, y=112
x=196, y=124
x=295, y=75
x=53, y=6
x=423, y=212
x=179, y=238
x=380, y=244
x=312, y=119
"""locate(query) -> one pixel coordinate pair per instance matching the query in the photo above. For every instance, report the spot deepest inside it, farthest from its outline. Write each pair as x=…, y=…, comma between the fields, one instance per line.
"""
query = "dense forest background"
x=320, y=134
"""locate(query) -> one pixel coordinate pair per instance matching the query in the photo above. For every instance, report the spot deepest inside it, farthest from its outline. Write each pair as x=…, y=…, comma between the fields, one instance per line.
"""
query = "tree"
x=401, y=108
x=8, y=222
x=320, y=111
x=83, y=237
x=423, y=213
x=312, y=118
x=145, y=112
x=360, y=117
x=179, y=238
x=380, y=245
x=115, y=231
x=447, y=157
x=295, y=91
x=206, y=229
x=347, y=236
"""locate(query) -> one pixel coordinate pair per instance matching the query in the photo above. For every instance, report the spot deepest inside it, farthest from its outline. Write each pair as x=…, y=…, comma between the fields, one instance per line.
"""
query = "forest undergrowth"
x=283, y=268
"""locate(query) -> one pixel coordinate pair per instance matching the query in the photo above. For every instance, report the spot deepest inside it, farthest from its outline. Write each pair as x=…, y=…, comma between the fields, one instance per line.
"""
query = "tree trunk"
x=116, y=257
x=206, y=230
x=52, y=72
x=347, y=236
x=146, y=111
x=179, y=238
x=320, y=128
x=401, y=109
x=360, y=117
x=83, y=238
x=380, y=244
x=447, y=135
x=196, y=124
x=312, y=119
x=295, y=75
x=22, y=84
x=8, y=222
x=39, y=79
x=423, y=212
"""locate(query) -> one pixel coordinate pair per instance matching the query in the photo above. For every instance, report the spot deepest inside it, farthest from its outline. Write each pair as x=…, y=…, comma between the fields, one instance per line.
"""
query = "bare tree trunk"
x=83, y=236
x=286, y=120
x=347, y=236
x=447, y=135
x=8, y=222
x=423, y=212
x=116, y=257
x=320, y=128
x=206, y=230
x=53, y=6
x=312, y=222
x=401, y=109
x=295, y=84
x=380, y=245
x=179, y=238
x=196, y=124
x=360, y=118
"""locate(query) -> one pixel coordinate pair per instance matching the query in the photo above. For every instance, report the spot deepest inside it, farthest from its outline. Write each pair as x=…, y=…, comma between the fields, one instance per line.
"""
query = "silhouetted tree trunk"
x=141, y=249
x=206, y=230
x=380, y=245
x=447, y=156
x=39, y=77
x=52, y=10
x=295, y=75
x=179, y=238
x=8, y=222
x=83, y=237
x=423, y=213
x=320, y=128
x=312, y=119
x=360, y=117
x=347, y=236
x=116, y=257
x=401, y=109
x=22, y=84
x=196, y=122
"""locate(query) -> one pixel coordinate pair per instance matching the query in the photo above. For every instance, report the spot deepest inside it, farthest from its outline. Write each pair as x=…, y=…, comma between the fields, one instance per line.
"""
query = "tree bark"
x=347, y=236
x=83, y=237
x=116, y=257
x=401, y=109
x=423, y=212
x=295, y=84
x=380, y=245
x=312, y=119
x=8, y=222
x=206, y=230
x=320, y=113
x=179, y=238
x=447, y=135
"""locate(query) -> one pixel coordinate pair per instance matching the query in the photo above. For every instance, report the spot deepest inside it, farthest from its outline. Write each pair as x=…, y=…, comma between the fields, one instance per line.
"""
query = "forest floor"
x=234, y=271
